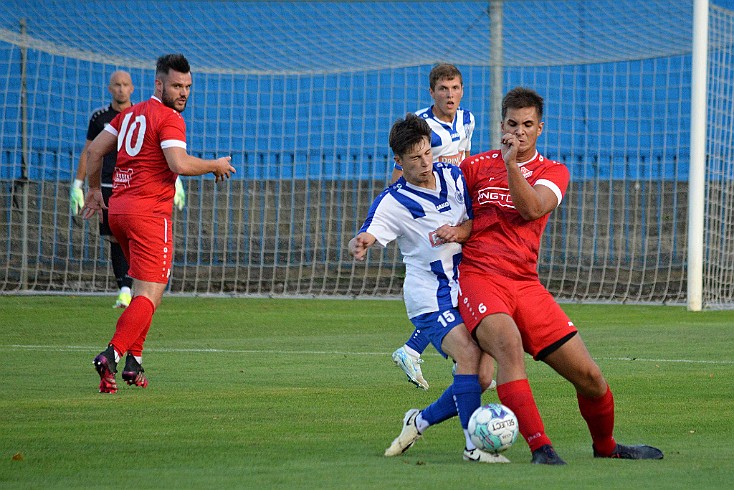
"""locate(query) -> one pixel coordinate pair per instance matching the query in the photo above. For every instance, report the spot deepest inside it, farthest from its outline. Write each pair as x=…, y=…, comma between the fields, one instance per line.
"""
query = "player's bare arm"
x=458, y=234
x=358, y=245
x=104, y=143
x=531, y=202
x=81, y=171
x=182, y=163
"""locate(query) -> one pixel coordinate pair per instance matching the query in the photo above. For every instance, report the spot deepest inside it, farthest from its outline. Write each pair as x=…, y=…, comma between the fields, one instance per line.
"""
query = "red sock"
x=599, y=416
x=517, y=396
x=132, y=323
x=136, y=349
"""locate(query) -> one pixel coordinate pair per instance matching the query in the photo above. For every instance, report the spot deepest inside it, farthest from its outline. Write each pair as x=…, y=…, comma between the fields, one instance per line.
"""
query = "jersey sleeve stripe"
x=173, y=144
x=552, y=186
x=372, y=211
x=111, y=130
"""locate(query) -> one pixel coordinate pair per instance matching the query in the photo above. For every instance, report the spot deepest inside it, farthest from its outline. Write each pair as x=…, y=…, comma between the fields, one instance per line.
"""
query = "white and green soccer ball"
x=493, y=428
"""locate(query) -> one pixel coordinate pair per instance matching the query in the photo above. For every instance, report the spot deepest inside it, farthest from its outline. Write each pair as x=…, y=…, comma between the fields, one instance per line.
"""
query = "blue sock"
x=419, y=341
x=442, y=409
x=467, y=395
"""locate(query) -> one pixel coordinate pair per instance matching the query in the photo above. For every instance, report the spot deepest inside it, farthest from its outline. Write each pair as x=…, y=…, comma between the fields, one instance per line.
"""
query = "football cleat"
x=479, y=456
x=633, y=452
x=407, y=436
x=106, y=367
x=546, y=455
x=133, y=372
x=410, y=366
x=123, y=300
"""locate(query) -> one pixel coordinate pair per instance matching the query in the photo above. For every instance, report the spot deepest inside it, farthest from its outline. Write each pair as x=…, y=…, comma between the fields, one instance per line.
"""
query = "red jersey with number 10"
x=142, y=183
x=503, y=242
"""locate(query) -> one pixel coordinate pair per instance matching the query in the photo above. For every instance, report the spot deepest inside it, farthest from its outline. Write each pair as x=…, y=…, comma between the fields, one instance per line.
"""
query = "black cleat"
x=632, y=452
x=133, y=373
x=546, y=455
x=106, y=367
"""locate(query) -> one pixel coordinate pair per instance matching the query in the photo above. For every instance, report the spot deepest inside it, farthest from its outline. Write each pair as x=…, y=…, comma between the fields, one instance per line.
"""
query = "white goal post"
x=302, y=95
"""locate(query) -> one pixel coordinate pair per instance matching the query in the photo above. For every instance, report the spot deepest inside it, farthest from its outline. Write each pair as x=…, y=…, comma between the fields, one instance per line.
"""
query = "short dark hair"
x=520, y=98
x=408, y=132
x=168, y=62
x=443, y=70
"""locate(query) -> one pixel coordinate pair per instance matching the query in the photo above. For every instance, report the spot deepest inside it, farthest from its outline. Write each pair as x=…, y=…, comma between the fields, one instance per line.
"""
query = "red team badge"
x=435, y=240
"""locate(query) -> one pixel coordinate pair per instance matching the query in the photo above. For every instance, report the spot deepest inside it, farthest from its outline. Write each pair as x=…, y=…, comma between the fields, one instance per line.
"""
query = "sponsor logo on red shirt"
x=495, y=195
x=122, y=177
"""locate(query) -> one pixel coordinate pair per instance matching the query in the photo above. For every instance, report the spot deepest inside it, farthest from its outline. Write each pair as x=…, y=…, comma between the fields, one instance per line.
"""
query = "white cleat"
x=407, y=436
x=410, y=366
x=479, y=456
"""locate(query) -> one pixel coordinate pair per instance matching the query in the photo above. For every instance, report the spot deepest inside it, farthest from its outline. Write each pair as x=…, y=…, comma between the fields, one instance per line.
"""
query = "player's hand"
x=358, y=245
x=179, y=199
x=76, y=197
x=453, y=234
x=447, y=233
x=223, y=169
x=94, y=203
x=510, y=145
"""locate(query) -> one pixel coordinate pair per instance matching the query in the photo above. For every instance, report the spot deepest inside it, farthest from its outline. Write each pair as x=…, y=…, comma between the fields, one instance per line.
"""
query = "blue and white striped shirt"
x=410, y=215
x=450, y=143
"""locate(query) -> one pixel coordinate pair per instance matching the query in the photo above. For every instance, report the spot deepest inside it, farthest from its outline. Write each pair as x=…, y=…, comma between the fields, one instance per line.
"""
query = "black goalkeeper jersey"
x=97, y=122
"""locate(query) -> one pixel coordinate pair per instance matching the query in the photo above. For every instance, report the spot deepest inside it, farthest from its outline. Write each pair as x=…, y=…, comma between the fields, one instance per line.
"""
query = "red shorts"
x=541, y=321
x=147, y=242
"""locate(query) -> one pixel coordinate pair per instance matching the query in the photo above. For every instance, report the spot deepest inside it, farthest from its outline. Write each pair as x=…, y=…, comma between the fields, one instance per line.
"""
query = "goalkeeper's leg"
x=124, y=282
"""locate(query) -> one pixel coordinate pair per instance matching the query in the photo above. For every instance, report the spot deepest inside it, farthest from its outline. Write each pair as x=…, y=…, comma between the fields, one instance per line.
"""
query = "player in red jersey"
x=502, y=301
x=150, y=138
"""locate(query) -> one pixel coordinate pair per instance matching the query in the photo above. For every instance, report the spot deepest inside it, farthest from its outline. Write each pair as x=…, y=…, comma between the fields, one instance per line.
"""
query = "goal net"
x=302, y=96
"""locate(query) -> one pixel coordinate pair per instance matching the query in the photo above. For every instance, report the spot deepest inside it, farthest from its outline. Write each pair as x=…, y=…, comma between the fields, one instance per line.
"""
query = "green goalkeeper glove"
x=179, y=199
x=76, y=197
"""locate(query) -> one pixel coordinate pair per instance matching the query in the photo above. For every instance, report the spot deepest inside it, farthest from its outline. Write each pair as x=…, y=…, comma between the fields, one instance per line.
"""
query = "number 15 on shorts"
x=449, y=318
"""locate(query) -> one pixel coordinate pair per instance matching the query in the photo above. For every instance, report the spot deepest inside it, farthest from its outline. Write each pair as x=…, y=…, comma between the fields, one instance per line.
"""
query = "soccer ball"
x=493, y=428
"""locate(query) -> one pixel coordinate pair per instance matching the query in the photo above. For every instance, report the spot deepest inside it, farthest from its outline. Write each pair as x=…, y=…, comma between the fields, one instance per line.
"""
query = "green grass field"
x=278, y=393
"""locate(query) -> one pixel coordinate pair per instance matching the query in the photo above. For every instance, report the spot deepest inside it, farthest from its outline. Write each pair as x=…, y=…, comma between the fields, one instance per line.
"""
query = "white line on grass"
x=61, y=348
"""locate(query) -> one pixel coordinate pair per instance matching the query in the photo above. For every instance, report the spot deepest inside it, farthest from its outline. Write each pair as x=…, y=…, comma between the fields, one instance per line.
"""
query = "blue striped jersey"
x=450, y=143
x=410, y=215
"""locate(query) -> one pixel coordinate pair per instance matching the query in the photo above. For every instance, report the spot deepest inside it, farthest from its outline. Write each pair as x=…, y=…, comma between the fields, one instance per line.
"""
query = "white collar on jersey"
x=525, y=163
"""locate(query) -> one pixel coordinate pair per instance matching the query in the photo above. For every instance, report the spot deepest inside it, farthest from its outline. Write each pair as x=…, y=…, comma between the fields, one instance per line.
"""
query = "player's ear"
x=540, y=127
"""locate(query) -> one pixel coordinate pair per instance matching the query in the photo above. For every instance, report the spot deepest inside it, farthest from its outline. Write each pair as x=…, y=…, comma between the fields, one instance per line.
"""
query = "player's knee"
x=590, y=381
x=468, y=356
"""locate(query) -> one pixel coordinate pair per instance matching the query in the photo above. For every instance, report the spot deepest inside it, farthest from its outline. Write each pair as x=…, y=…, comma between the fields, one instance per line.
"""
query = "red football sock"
x=133, y=322
x=599, y=416
x=517, y=396
x=136, y=349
